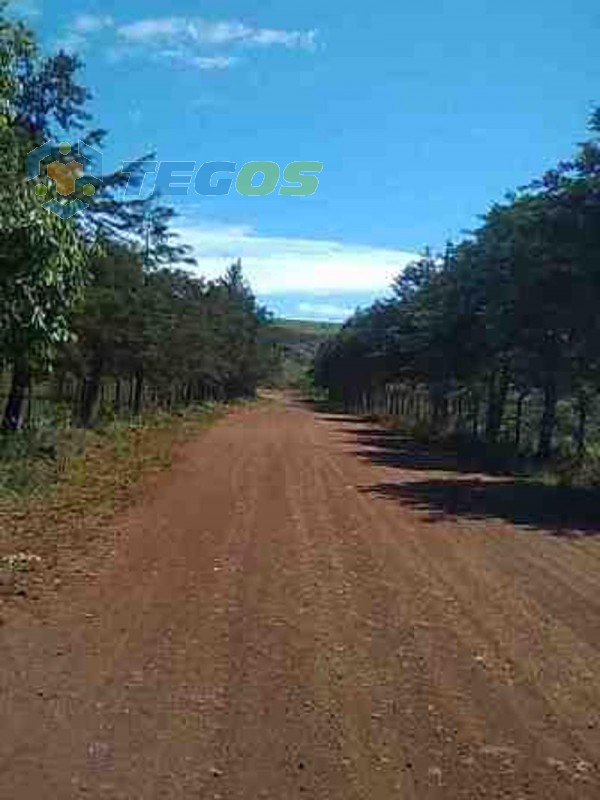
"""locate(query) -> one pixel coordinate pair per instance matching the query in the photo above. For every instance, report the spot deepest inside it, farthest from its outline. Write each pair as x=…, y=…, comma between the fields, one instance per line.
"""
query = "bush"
x=32, y=460
x=590, y=468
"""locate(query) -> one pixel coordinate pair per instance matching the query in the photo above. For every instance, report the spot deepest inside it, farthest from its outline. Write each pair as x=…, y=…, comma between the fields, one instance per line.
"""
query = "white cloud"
x=199, y=31
x=150, y=30
x=187, y=41
x=211, y=62
x=217, y=62
x=305, y=40
x=218, y=33
x=91, y=23
x=75, y=38
x=277, y=264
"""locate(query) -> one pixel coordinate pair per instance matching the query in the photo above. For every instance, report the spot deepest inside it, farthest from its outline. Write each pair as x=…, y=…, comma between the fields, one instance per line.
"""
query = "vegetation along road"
x=305, y=606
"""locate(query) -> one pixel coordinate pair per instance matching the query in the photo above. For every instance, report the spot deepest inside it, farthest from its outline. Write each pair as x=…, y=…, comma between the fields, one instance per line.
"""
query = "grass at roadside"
x=55, y=487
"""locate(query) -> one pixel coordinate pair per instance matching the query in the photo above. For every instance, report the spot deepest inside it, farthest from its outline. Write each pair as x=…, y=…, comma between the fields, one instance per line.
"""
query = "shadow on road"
x=391, y=449
x=494, y=492
x=560, y=511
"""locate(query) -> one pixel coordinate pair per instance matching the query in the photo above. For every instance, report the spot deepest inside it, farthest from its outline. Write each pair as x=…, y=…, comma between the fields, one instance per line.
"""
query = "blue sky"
x=423, y=113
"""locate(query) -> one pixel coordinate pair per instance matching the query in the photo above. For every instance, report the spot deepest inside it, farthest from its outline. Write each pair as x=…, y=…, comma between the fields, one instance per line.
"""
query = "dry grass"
x=57, y=501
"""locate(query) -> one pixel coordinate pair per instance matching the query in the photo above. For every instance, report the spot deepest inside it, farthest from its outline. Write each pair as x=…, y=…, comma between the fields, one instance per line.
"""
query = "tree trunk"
x=497, y=393
x=580, y=434
x=457, y=411
x=548, y=421
x=117, y=402
x=91, y=394
x=491, y=407
x=475, y=403
x=438, y=402
x=519, y=419
x=19, y=386
x=60, y=387
x=138, y=393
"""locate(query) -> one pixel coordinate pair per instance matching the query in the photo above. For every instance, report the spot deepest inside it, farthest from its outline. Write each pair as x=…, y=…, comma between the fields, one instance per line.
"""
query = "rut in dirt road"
x=288, y=615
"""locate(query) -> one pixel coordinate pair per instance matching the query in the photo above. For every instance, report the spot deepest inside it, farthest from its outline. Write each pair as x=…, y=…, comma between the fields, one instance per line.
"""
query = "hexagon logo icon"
x=73, y=172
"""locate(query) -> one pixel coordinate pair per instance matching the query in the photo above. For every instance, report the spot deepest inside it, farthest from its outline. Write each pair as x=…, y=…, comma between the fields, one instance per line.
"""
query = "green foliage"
x=290, y=347
x=42, y=275
x=78, y=471
x=170, y=337
x=103, y=295
x=504, y=322
x=32, y=461
x=42, y=258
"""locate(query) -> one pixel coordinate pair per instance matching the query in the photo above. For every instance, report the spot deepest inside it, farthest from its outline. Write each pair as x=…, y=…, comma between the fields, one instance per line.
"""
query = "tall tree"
x=41, y=256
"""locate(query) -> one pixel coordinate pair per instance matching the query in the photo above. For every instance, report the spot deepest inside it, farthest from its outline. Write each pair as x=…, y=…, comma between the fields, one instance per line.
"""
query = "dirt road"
x=301, y=608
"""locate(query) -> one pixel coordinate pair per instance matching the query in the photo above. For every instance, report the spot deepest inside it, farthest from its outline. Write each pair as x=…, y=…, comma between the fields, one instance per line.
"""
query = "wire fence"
x=465, y=414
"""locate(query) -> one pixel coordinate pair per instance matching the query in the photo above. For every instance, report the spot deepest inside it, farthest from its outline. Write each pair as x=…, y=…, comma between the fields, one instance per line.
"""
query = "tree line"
x=103, y=299
x=497, y=338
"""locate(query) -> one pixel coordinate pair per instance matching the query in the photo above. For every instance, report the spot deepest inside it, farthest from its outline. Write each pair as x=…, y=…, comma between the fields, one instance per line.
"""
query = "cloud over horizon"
x=278, y=264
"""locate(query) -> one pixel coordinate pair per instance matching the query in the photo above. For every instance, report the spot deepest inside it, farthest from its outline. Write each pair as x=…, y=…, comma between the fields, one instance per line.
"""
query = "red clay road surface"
x=293, y=611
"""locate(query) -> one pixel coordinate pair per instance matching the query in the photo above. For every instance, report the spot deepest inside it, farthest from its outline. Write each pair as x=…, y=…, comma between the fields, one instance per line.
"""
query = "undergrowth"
x=53, y=482
x=565, y=468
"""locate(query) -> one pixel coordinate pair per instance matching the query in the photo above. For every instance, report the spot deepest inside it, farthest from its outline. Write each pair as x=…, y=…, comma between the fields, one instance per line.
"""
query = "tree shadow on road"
x=558, y=510
x=391, y=448
x=474, y=485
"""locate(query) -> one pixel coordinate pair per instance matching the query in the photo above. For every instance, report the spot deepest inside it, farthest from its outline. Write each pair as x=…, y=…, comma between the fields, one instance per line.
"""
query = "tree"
x=42, y=259
x=108, y=325
x=511, y=312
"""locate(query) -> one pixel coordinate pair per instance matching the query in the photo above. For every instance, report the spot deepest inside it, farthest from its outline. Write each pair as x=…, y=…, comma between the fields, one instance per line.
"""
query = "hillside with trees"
x=293, y=345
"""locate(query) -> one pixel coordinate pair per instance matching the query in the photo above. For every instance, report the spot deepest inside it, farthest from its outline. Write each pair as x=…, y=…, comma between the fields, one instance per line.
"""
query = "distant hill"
x=309, y=327
x=294, y=344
